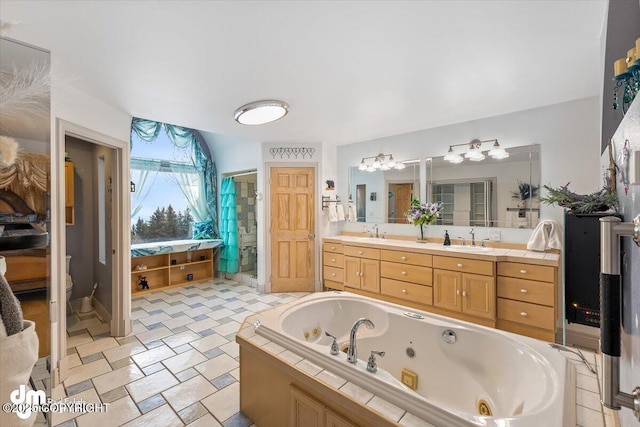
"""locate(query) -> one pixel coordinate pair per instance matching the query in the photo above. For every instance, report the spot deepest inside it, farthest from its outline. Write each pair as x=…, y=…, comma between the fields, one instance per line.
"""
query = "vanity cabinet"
x=407, y=276
x=333, y=266
x=362, y=268
x=527, y=299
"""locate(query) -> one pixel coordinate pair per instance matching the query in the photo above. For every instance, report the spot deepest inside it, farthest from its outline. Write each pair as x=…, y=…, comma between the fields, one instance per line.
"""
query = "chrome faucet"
x=376, y=227
x=473, y=237
x=352, y=351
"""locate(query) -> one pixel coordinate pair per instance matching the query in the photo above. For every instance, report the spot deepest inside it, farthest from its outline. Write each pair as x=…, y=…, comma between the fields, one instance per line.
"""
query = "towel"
x=547, y=235
x=351, y=212
x=333, y=212
x=340, y=211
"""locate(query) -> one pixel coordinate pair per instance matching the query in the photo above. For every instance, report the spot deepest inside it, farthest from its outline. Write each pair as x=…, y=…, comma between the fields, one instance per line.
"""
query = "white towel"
x=351, y=212
x=333, y=213
x=340, y=210
x=547, y=235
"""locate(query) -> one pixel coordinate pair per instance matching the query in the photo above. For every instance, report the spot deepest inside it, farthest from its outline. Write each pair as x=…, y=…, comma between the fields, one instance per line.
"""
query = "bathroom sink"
x=460, y=248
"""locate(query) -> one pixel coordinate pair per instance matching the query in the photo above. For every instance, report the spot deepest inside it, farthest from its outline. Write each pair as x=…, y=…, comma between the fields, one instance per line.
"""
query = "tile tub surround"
x=167, y=372
x=589, y=411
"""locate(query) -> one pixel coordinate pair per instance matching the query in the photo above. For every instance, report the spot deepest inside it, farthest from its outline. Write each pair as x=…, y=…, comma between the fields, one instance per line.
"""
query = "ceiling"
x=350, y=71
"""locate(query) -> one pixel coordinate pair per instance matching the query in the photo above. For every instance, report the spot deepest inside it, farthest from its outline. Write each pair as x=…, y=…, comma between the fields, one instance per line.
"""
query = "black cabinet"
x=582, y=267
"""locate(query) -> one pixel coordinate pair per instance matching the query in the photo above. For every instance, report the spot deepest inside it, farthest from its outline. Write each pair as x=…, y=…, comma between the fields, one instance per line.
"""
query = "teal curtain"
x=182, y=137
x=228, y=227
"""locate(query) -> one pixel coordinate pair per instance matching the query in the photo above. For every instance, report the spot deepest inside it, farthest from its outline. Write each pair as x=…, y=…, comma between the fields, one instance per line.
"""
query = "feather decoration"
x=24, y=95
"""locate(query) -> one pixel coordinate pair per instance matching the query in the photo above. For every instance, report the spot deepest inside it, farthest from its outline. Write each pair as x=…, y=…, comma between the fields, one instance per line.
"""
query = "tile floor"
x=180, y=364
x=178, y=367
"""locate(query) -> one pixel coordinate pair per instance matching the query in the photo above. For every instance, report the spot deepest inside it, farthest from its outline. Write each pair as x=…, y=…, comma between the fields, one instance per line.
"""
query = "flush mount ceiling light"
x=474, y=151
x=261, y=112
x=383, y=162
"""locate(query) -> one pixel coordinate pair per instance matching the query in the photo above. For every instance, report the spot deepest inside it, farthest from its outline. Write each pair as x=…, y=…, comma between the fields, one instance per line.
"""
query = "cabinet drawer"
x=338, y=286
x=526, y=290
x=333, y=259
x=464, y=265
x=361, y=252
x=542, y=273
x=332, y=273
x=415, y=293
x=424, y=260
x=528, y=314
x=332, y=247
x=406, y=273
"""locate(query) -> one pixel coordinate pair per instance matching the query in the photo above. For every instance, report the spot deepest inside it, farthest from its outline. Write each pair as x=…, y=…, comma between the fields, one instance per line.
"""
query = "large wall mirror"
x=488, y=193
x=25, y=203
x=383, y=196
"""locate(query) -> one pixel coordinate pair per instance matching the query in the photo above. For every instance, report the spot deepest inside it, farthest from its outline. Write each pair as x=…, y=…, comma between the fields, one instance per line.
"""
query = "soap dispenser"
x=447, y=240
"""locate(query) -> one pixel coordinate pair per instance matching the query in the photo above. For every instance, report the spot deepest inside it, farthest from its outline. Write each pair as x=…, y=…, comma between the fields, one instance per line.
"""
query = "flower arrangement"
x=599, y=201
x=421, y=214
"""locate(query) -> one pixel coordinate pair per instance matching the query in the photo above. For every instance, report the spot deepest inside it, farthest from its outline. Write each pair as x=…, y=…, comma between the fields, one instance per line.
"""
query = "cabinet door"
x=304, y=411
x=370, y=278
x=334, y=420
x=68, y=184
x=479, y=295
x=352, y=272
x=447, y=289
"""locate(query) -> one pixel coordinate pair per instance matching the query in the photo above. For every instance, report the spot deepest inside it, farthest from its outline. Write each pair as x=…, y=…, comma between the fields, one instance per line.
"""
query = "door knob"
x=311, y=235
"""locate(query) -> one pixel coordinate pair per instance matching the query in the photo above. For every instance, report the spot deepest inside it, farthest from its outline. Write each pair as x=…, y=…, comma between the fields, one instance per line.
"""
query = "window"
x=167, y=190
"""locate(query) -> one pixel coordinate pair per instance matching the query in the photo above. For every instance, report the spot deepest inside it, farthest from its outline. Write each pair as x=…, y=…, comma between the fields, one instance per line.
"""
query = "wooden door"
x=352, y=272
x=370, y=277
x=304, y=410
x=447, y=289
x=479, y=296
x=404, y=192
x=292, y=229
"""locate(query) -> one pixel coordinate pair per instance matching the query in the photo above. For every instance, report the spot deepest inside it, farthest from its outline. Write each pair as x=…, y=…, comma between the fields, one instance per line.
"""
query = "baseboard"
x=98, y=310
x=579, y=336
x=102, y=312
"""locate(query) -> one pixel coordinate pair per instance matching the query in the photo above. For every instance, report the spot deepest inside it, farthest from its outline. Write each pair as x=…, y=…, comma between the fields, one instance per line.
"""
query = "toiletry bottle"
x=447, y=240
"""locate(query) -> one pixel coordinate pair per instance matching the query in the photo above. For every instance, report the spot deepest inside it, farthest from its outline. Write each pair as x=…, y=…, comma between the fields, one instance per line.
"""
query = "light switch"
x=634, y=168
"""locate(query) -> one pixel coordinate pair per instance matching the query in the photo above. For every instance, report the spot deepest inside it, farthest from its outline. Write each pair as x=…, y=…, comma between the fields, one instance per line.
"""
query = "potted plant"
x=421, y=214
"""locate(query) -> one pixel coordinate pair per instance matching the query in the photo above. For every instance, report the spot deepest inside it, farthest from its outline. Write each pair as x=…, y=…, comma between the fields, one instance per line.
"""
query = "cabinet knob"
x=458, y=292
x=460, y=265
x=523, y=291
x=404, y=258
x=523, y=314
x=523, y=271
x=464, y=293
x=333, y=260
x=404, y=273
x=333, y=274
x=333, y=247
x=359, y=252
x=404, y=291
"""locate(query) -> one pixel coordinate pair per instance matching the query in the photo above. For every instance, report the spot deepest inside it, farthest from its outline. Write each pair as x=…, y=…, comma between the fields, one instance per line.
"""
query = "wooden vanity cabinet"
x=362, y=268
x=527, y=299
x=333, y=266
x=465, y=285
x=407, y=276
x=305, y=411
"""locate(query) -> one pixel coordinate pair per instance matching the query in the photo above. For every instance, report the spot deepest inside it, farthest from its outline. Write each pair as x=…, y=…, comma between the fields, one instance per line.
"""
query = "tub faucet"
x=352, y=352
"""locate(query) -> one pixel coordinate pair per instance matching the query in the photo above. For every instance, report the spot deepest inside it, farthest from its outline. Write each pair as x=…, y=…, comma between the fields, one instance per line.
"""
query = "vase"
x=422, y=239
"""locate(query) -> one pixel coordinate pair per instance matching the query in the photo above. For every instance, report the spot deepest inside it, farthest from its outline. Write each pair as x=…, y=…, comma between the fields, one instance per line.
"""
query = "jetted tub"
x=522, y=381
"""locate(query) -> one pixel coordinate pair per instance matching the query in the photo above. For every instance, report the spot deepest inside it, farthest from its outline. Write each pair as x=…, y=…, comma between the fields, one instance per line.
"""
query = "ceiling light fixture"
x=474, y=152
x=261, y=112
x=383, y=162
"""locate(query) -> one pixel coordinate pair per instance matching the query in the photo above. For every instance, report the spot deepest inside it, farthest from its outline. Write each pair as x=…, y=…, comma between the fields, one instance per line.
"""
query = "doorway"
x=292, y=234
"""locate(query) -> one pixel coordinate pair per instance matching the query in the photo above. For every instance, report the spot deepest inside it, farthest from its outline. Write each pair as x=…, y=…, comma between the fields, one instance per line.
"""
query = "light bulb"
x=363, y=166
x=391, y=162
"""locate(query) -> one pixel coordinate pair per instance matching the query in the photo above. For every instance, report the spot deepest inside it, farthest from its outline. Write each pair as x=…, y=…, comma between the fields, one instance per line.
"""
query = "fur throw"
x=8, y=151
x=10, y=311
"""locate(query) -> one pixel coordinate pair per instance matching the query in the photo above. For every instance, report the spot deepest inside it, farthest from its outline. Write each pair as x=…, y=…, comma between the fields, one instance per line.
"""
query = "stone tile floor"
x=178, y=367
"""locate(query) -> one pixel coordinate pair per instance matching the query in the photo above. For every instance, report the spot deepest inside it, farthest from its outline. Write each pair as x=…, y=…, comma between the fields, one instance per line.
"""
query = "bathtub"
x=522, y=381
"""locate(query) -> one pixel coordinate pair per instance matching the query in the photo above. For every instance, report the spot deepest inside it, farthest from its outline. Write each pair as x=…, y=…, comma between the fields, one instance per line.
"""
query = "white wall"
x=568, y=134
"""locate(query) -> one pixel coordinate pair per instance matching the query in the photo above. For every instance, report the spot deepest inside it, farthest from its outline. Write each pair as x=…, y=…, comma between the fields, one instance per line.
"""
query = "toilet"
x=69, y=281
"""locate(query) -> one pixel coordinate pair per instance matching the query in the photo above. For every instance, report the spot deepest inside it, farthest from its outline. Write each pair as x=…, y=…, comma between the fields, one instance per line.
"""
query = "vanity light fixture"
x=383, y=162
x=261, y=112
x=474, y=152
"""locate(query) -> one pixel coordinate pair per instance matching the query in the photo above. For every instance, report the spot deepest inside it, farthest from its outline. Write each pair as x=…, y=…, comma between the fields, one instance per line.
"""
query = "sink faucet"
x=352, y=351
x=473, y=237
x=376, y=227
